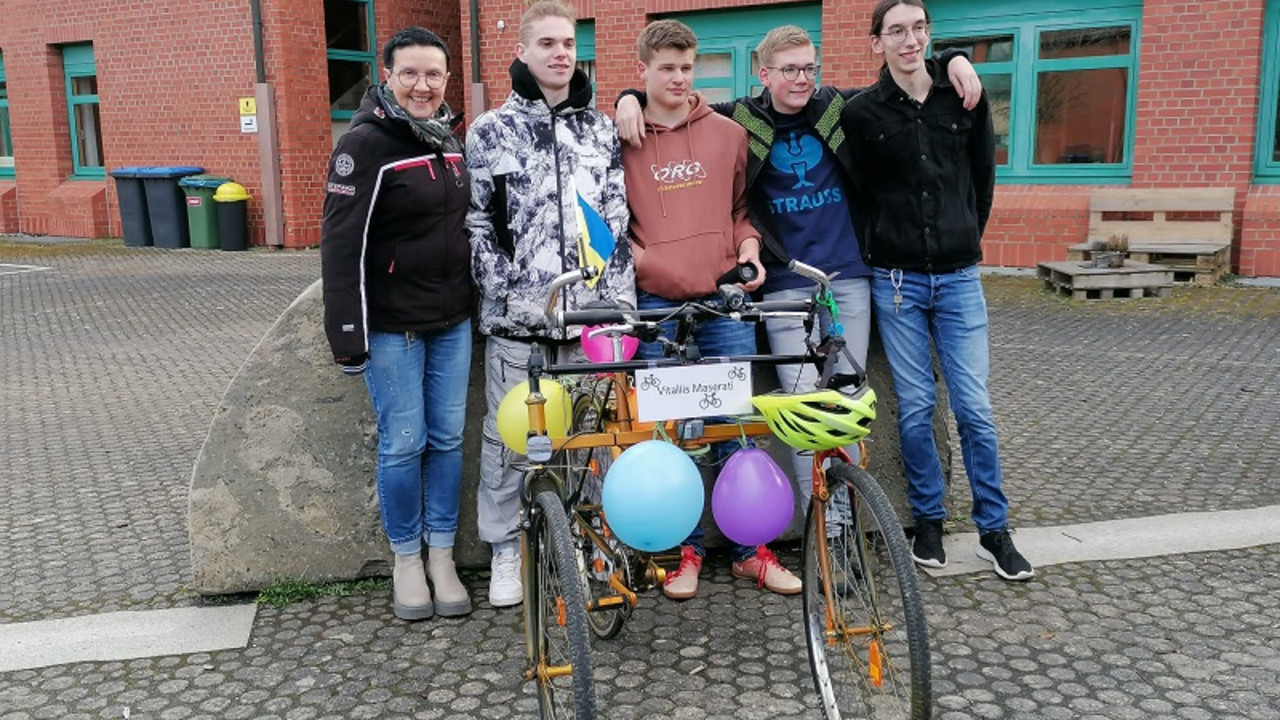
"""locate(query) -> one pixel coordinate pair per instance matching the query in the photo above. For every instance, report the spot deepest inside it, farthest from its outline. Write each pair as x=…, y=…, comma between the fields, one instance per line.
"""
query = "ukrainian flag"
x=595, y=239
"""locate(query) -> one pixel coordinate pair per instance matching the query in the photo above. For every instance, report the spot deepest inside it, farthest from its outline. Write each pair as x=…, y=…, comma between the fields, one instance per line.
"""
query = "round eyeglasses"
x=898, y=33
x=409, y=79
x=791, y=72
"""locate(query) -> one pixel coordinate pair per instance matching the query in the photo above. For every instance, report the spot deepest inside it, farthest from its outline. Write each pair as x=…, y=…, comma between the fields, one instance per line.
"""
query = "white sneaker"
x=505, y=588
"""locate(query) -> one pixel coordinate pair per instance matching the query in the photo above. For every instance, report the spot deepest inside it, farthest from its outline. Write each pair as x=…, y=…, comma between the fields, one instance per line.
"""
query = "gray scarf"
x=434, y=132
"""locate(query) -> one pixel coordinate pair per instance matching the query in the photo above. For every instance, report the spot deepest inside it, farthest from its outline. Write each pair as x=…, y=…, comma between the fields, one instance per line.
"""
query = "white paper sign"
x=694, y=391
x=248, y=123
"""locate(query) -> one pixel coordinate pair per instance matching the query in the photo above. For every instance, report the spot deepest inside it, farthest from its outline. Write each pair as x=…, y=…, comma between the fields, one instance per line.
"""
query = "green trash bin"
x=202, y=215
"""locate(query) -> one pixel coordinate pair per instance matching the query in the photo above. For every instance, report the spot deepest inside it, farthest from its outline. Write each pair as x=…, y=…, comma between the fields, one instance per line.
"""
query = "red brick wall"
x=1198, y=99
x=161, y=103
x=169, y=76
x=1260, y=232
x=1195, y=122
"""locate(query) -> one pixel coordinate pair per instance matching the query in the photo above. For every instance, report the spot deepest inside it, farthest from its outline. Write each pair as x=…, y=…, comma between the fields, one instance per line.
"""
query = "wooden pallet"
x=1083, y=281
x=1195, y=264
x=1186, y=229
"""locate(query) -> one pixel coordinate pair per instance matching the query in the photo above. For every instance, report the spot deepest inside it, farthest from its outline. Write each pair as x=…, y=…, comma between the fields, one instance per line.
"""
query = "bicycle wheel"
x=600, y=554
x=868, y=639
x=557, y=616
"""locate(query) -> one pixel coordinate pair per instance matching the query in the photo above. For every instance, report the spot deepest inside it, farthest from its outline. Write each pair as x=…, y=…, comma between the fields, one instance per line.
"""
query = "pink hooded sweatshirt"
x=687, y=190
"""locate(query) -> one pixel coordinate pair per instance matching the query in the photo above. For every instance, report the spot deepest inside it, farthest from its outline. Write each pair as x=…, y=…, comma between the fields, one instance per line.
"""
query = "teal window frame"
x=1266, y=166
x=736, y=32
x=1026, y=22
x=585, y=45
x=78, y=62
x=6, y=171
x=369, y=56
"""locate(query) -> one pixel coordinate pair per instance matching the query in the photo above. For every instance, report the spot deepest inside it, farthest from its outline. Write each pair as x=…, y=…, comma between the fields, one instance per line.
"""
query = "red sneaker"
x=683, y=583
x=768, y=573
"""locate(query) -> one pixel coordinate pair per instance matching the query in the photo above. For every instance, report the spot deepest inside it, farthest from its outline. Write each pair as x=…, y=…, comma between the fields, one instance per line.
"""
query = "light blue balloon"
x=652, y=496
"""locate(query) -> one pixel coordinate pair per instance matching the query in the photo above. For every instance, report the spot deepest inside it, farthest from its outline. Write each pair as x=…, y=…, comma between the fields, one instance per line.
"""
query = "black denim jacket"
x=924, y=174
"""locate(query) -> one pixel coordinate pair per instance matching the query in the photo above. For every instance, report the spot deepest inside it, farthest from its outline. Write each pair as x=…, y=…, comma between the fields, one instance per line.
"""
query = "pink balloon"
x=752, y=501
x=600, y=348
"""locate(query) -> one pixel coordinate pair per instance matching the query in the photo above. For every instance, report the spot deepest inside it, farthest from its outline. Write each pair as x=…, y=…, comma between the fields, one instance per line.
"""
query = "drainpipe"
x=268, y=139
x=479, y=96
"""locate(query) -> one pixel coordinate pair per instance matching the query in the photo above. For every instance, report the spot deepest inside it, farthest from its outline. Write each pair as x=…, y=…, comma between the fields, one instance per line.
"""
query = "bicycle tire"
x=557, y=615
x=875, y=593
x=595, y=563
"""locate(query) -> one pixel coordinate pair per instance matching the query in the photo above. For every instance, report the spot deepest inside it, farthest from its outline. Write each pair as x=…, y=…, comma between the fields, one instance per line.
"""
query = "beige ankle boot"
x=411, y=598
x=451, y=596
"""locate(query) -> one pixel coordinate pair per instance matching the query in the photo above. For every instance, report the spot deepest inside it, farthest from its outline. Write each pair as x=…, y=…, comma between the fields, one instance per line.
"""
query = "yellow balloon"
x=513, y=414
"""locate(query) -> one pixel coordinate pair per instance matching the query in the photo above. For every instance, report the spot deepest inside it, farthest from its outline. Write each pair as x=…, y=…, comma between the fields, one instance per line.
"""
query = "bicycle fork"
x=836, y=629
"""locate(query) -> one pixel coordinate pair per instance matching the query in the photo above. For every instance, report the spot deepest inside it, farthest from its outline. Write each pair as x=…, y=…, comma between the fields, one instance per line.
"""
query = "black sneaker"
x=926, y=548
x=1009, y=564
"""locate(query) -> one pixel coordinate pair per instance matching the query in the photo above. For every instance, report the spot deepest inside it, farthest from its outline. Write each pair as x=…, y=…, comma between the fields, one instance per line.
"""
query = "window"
x=1267, y=163
x=6, y=139
x=81, y=77
x=352, y=55
x=585, y=41
x=726, y=67
x=1062, y=86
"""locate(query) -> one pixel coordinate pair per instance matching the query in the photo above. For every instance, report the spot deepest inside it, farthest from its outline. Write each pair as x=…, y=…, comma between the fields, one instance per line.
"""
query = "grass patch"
x=31, y=247
x=288, y=592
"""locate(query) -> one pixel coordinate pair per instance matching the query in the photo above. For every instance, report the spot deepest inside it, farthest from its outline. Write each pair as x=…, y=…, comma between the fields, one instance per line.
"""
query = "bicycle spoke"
x=867, y=640
x=562, y=668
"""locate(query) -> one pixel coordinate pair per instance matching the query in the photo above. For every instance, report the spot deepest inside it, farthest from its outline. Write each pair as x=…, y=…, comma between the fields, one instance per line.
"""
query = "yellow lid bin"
x=233, y=218
x=230, y=192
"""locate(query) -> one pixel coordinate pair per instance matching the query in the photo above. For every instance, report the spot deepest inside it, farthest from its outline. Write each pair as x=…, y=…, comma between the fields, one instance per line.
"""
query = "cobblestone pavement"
x=114, y=360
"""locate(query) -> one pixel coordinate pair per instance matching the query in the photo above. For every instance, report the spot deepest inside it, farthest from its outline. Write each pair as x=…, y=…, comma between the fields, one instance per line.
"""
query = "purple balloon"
x=752, y=501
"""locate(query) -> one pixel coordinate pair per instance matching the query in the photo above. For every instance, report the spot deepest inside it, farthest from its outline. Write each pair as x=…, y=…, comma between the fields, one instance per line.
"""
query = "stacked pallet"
x=1195, y=243
x=1083, y=281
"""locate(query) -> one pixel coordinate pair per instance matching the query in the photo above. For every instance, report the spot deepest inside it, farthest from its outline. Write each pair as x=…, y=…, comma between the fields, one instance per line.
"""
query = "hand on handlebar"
x=749, y=254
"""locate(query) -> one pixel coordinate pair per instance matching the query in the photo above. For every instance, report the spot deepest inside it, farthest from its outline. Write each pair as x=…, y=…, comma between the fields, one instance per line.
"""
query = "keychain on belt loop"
x=895, y=277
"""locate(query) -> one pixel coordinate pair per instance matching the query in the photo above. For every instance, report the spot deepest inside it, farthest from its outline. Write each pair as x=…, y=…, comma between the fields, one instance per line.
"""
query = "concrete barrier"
x=283, y=488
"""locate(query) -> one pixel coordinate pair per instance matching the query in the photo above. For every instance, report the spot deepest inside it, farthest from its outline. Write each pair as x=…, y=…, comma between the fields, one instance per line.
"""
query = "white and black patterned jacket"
x=529, y=162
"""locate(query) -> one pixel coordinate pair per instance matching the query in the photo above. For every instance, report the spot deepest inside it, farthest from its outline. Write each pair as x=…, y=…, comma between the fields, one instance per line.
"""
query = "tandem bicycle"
x=863, y=620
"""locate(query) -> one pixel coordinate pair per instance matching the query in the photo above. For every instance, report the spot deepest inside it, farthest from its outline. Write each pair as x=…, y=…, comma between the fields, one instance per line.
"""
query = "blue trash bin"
x=133, y=206
x=167, y=204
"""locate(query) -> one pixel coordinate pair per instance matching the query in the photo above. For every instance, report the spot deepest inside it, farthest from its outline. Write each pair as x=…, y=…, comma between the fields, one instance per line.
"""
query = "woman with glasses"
x=398, y=299
x=924, y=172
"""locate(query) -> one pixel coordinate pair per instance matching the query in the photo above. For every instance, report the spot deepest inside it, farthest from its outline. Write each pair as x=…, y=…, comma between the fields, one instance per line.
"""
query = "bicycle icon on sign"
x=738, y=373
x=709, y=400
x=650, y=382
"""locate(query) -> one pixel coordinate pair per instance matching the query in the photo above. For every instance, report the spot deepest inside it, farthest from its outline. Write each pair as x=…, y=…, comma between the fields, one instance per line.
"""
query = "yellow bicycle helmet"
x=820, y=420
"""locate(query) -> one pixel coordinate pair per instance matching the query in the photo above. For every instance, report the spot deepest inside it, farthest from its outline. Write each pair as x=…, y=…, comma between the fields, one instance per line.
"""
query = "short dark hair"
x=411, y=37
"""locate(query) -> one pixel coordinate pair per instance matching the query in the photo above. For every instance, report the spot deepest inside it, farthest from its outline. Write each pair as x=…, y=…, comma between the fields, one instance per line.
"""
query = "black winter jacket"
x=924, y=174
x=394, y=251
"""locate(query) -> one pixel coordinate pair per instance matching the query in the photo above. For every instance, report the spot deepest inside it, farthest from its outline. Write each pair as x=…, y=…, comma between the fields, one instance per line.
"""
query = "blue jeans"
x=418, y=385
x=949, y=309
x=787, y=336
x=718, y=337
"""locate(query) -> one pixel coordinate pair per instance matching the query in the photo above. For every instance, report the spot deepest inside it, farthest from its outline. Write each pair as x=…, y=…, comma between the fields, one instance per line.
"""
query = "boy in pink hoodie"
x=687, y=190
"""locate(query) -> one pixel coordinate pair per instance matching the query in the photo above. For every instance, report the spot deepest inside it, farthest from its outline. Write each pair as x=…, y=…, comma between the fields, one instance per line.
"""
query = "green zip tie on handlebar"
x=827, y=299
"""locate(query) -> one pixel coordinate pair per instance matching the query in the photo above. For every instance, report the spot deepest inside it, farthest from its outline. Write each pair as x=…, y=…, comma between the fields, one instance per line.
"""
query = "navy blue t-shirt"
x=808, y=205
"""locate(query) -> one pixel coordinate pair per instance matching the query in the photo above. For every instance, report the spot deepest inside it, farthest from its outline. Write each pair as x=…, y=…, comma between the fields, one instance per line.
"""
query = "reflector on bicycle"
x=693, y=391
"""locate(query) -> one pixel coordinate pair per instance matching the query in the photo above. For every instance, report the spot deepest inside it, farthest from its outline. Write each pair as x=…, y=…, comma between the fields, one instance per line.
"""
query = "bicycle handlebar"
x=742, y=308
x=616, y=316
